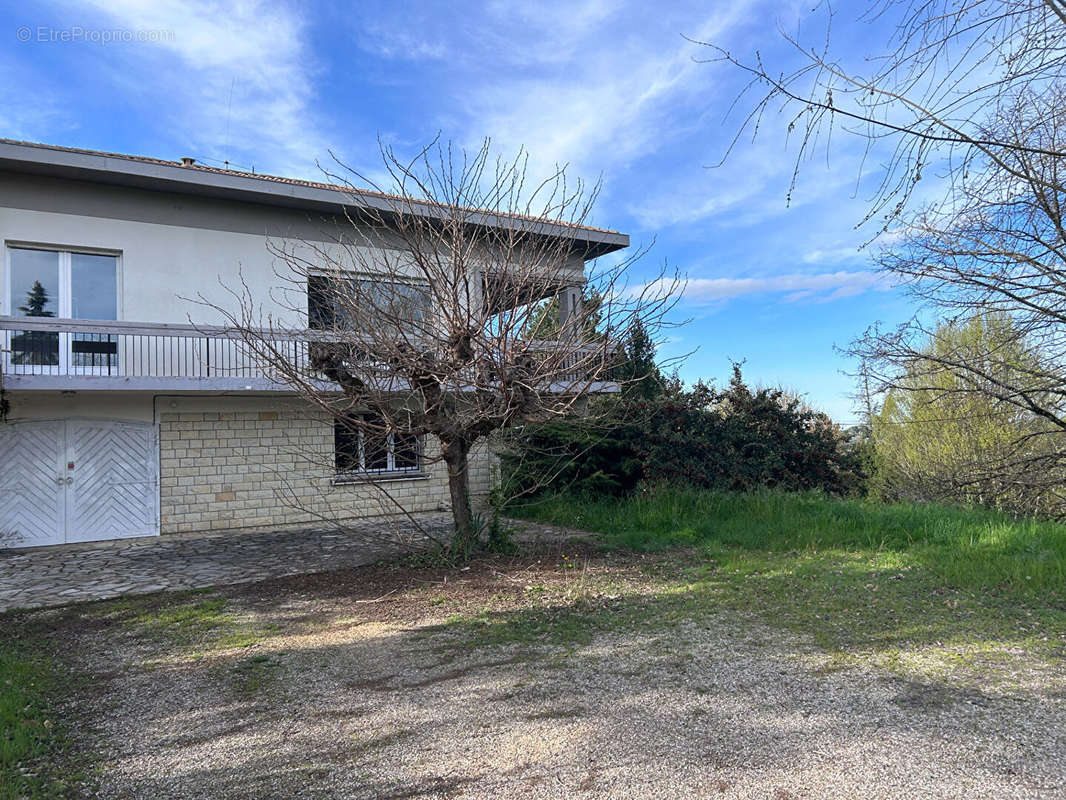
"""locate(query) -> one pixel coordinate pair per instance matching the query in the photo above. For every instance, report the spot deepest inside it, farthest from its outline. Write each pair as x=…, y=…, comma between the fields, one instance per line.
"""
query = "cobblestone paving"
x=66, y=574
x=52, y=576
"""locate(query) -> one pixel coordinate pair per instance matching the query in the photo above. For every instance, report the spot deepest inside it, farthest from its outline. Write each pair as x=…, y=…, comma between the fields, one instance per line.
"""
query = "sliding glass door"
x=93, y=295
x=46, y=284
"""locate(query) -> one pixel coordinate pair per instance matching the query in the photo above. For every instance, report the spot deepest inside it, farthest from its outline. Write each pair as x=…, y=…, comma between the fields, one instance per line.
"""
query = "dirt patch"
x=567, y=672
x=398, y=591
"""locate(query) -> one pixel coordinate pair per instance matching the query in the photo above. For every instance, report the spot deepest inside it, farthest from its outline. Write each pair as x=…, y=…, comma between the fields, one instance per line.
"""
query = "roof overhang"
x=118, y=170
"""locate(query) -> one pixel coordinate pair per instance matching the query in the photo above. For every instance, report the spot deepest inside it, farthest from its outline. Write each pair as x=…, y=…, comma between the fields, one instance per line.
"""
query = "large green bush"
x=737, y=438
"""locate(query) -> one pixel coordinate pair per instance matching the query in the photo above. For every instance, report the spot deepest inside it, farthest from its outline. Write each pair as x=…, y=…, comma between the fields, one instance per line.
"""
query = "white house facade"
x=123, y=418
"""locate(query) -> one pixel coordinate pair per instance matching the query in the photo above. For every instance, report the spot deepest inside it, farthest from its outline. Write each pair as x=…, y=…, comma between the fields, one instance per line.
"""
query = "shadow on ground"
x=569, y=673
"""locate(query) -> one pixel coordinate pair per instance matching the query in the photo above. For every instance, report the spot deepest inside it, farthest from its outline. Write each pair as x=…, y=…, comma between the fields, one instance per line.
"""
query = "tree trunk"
x=456, y=452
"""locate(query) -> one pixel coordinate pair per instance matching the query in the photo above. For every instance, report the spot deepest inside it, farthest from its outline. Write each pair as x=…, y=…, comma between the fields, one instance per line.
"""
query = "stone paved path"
x=52, y=576
x=65, y=574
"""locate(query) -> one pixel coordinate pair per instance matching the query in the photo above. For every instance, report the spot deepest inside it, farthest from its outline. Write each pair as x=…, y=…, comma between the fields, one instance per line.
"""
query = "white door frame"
x=64, y=292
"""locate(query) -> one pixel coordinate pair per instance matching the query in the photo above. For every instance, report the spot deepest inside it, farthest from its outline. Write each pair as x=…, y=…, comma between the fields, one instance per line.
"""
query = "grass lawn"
x=967, y=548
x=25, y=739
x=32, y=737
x=702, y=645
x=890, y=583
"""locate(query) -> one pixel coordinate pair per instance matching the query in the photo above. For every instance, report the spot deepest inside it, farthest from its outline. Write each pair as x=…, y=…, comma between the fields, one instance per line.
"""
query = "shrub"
x=736, y=439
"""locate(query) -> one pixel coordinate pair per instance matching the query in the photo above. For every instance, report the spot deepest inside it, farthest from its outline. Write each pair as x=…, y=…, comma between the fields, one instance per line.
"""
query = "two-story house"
x=123, y=419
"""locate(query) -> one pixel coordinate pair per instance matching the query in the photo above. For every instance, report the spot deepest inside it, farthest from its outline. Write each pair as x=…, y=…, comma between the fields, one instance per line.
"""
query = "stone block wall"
x=273, y=468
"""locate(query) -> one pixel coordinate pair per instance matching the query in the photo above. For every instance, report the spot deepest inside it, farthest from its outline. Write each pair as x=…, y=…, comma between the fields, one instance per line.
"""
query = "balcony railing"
x=54, y=353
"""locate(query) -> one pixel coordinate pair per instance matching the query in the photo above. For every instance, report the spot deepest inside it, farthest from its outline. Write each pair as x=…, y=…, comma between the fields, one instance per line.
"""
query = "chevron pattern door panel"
x=31, y=489
x=113, y=493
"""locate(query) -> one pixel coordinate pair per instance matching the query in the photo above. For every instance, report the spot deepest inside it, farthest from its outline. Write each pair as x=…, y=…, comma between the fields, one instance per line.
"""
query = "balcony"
x=80, y=355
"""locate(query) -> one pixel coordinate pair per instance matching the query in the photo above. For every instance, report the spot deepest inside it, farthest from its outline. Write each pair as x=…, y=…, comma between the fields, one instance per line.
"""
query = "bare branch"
x=419, y=307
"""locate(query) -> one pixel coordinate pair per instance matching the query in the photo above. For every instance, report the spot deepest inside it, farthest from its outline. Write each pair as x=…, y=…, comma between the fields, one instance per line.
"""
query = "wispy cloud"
x=824, y=286
x=610, y=106
x=26, y=112
x=834, y=255
x=237, y=78
x=596, y=84
x=504, y=33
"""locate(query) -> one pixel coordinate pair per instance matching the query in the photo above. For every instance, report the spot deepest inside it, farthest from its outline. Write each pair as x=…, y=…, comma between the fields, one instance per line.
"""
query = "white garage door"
x=77, y=481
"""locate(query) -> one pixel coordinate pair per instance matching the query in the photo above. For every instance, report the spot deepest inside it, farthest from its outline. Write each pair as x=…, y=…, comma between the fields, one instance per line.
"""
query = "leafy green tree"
x=597, y=452
x=40, y=348
x=740, y=438
x=36, y=300
x=638, y=369
x=939, y=436
x=543, y=322
x=737, y=438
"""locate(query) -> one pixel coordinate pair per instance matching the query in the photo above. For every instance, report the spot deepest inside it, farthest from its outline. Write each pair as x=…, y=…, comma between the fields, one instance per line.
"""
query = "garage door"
x=77, y=481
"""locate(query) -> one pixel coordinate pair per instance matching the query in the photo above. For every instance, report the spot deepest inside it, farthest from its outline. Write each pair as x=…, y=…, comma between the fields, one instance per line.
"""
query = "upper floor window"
x=62, y=283
x=358, y=451
x=334, y=302
x=43, y=282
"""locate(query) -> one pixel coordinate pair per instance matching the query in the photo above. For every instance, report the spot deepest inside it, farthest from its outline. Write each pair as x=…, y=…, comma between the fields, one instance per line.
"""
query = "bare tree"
x=997, y=245
x=926, y=104
x=420, y=307
x=971, y=94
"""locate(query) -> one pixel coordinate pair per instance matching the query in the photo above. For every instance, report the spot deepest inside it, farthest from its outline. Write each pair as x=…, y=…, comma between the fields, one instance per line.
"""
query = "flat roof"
x=156, y=174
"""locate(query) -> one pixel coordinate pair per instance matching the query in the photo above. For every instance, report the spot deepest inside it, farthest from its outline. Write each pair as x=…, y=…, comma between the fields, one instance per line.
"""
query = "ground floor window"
x=357, y=450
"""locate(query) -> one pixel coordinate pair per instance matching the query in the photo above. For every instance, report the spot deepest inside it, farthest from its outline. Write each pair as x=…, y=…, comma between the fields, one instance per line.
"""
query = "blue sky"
x=610, y=88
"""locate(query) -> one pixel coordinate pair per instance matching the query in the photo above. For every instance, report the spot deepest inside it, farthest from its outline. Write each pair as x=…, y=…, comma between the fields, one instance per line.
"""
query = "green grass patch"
x=880, y=605
x=184, y=621
x=967, y=548
x=924, y=590
x=255, y=676
x=191, y=624
x=32, y=743
x=572, y=624
x=855, y=608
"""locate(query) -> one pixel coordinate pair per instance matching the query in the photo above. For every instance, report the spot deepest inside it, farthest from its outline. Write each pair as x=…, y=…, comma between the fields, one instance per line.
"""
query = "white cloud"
x=503, y=33
x=609, y=105
x=235, y=79
x=823, y=287
x=834, y=255
x=28, y=121
x=29, y=110
x=593, y=84
x=751, y=187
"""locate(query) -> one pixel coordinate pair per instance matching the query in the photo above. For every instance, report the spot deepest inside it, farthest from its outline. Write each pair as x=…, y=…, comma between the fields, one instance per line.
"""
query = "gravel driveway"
x=381, y=683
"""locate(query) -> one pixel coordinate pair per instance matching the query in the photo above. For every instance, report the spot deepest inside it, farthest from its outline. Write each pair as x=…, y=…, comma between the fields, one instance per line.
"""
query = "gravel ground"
x=362, y=691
